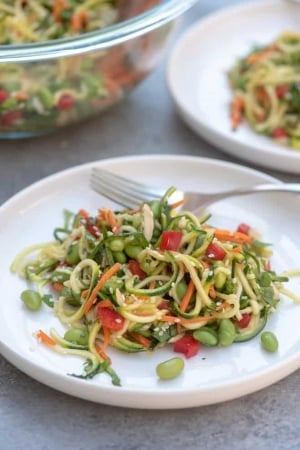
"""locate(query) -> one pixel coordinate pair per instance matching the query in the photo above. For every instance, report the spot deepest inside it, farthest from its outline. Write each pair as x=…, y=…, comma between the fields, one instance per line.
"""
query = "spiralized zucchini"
x=143, y=279
x=266, y=90
x=42, y=20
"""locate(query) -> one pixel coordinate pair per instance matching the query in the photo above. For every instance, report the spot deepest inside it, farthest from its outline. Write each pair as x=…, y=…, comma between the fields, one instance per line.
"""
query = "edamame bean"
x=206, y=336
x=46, y=97
x=181, y=289
x=120, y=257
x=269, y=341
x=32, y=299
x=169, y=369
x=133, y=251
x=77, y=336
x=227, y=332
x=116, y=245
x=220, y=280
x=73, y=254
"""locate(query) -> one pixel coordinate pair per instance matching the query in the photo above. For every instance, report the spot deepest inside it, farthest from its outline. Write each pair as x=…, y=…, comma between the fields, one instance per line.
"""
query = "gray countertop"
x=36, y=417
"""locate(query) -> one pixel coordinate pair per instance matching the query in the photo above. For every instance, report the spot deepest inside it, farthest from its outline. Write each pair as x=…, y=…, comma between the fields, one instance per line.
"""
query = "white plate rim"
x=131, y=398
x=265, y=155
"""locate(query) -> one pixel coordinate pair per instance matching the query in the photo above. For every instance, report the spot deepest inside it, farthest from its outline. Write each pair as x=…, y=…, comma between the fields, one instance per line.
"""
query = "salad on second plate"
x=266, y=90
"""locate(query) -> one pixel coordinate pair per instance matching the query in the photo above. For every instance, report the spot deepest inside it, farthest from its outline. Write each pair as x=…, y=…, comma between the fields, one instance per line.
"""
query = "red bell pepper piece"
x=135, y=269
x=66, y=101
x=3, y=95
x=170, y=240
x=110, y=318
x=187, y=345
x=244, y=322
x=279, y=132
x=215, y=251
x=243, y=228
x=281, y=90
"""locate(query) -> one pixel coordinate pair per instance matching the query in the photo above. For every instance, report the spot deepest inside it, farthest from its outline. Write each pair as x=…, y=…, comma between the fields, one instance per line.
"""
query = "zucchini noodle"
x=266, y=90
x=144, y=279
x=43, y=20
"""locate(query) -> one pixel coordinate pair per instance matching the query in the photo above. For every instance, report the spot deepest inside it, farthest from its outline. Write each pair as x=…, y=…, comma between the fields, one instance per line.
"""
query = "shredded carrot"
x=112, y=221
x=45, y=338
x=259, y=116
x=224, y=305
x=106, y=336
x=21, y=96
x=57, y=286
x=84, y=293
x=140, y=339
x=259, y=56
x=83, y=213
x=58, y=8
x=152, y=284
x=212, y=291
x=182, y=320
x=105, y=276
x=102, y=353
x=178, y=204
x=187, y=296
x=261, y=95
x=237, y=249
x=232, y=236
x=204, y=264
x=196, y=320
x=79, y=20
x=237, y=109
x=109, y=216
x=133, y=211
x=106, y=304
x=171, y=319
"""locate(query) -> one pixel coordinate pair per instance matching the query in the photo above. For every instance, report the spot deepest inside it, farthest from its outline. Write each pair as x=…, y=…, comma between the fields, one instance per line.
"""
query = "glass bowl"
x=51, y=84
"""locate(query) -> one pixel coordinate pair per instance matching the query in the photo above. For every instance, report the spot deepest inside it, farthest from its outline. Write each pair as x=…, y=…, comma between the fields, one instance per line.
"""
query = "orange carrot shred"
x=45, y=338
x=259, y=56
x=21, y=96
x=187, y=296
x=83, y=213
x=106, y=304
x=223, y=306
x=109, y=216
x=237, y=249
x=79, y=20
x=58, y=8
x=212, y=291
x=106, y=335
x=105, y=276
x=112, y=220
x=182, y=320
x=101, y=352
x=236, y=113
x=232, y=236
x=140, y=339
x=177, y=204
x=57, y=286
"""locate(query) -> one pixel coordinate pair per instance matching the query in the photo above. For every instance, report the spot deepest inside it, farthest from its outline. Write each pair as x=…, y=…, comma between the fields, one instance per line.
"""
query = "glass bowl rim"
x=115, y=34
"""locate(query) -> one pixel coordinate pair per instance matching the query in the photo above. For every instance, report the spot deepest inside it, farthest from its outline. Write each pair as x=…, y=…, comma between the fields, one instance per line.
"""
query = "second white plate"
x=198, y=82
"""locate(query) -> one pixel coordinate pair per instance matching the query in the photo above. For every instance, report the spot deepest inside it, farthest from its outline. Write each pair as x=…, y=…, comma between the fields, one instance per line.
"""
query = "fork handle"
x=260, y=188
x=281, y=187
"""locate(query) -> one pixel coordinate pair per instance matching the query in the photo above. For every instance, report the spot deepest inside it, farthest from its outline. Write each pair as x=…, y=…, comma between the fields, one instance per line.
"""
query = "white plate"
x=198, y=82
x=213, y=376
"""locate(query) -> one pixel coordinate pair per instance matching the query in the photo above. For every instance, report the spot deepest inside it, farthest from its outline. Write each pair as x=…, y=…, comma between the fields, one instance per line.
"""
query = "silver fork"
x=130, y=193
